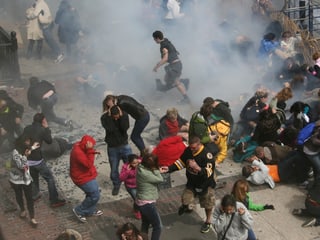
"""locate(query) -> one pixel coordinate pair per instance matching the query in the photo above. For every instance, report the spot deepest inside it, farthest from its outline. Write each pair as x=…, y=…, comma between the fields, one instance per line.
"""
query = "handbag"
x=224, y=235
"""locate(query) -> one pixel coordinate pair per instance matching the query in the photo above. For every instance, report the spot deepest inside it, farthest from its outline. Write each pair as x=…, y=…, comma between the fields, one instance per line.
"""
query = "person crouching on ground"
x=83, y=173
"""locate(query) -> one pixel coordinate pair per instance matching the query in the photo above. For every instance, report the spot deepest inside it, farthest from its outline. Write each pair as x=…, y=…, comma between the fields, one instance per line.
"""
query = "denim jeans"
x=88, y=205
x=47, y=109
x=46, y=173
x=47, y=33
x=315, y=163
x=133, y=193
x=115, y=154
x=151, y=216
x=138, y=128
x=251, y=235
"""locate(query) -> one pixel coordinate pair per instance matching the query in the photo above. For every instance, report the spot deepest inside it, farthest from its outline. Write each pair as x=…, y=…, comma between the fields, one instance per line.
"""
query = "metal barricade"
x=9, y=63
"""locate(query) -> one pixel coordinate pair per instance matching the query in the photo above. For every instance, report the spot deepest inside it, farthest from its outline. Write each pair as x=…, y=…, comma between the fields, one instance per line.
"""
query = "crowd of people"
x=276, y=135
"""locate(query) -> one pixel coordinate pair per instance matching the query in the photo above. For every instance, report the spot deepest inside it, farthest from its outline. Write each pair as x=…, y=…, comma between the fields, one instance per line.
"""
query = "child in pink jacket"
x=128, y=176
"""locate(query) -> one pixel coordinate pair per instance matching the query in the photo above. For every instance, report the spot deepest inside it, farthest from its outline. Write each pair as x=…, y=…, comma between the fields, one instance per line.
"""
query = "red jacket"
x=82, y=169
x=169, y=150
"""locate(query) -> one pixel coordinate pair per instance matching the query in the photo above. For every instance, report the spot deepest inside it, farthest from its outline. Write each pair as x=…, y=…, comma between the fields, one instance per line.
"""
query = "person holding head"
x=170, y=56
x=148, y=178
x=200, y=165
x=129, y=231
x=172, y=124
x=83, y=174
x=43, y=93
x=136, y=110
x=40, y=132
x=231, y=219
x=116, y=124
x=20, y=178
x=128, y=175
x=258, y=173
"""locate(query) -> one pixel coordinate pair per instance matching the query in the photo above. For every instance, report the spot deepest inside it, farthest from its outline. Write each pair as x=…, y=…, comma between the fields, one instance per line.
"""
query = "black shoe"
x=310, y=223
x=185, y=82
x=205, y=227
x=182, y=209
x=58, y=203
x=184, y=100
x=115, y=191
x=69, y=125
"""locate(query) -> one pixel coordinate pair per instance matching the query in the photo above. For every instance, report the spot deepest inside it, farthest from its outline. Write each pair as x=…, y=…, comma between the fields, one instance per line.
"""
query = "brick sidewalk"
x=53, y=221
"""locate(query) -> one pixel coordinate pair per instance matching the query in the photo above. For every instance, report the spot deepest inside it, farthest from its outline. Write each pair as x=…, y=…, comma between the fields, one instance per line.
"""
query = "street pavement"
x=277, y=224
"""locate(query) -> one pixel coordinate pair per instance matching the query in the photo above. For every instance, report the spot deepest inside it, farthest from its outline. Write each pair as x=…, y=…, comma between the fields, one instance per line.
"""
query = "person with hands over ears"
x=200, y=165
x=148, y=178
x=83, y=173
x=231, y=219
x=129, y=231
x=40, y=132
x=116, y=124
x=128, y=176
x=20, y=178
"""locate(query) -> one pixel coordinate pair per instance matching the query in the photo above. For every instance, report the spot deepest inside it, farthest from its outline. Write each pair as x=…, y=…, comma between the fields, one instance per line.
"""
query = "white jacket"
x=46, y=19
x=173, y=10
x=34, y=31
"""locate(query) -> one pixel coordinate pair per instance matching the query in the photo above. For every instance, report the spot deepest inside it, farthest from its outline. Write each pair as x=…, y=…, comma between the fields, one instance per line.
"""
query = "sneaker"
x=58, y=203
x=296, y=211
x=185, y=82
x=304, y=184
x=69, y=125
x=33, y=223
x=309, y=223
x=97, y=213
x=59, y=59
x=205, y=227
x=137, y=215
x=80, y=217
x=184, y=100
x=115, y=191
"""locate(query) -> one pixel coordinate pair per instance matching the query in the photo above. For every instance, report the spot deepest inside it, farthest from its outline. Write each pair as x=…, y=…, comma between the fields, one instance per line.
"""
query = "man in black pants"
x=39, y=132
x=43, y=93
x=173, y=69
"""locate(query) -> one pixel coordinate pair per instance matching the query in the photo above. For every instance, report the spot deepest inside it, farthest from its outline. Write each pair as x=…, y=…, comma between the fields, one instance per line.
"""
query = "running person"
x=173, y=69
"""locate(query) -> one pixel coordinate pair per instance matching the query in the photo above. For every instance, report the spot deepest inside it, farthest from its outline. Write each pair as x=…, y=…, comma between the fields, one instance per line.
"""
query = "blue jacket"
x=267, y=47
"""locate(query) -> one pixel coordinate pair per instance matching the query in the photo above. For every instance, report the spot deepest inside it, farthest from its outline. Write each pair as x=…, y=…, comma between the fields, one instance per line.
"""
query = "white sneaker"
x=59, y=59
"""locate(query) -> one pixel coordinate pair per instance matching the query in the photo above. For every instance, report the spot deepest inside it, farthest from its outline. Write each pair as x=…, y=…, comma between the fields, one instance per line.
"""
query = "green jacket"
x=199, y=127
x=147, y=183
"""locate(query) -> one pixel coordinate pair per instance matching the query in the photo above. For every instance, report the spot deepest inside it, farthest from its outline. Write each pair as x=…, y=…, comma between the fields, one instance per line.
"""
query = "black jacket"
x=36, y=92
x=116, y=130
x=38, y=134
x=131, y=106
